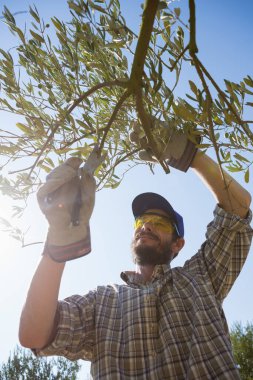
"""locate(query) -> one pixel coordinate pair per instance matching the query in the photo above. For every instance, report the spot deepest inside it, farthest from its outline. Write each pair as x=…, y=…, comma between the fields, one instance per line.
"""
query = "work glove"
x=67, y=200
x=175, y=148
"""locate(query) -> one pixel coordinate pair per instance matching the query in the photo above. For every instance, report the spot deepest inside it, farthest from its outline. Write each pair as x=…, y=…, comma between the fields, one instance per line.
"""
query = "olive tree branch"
x=211, y=126
x=148, y=19
x=193, y=49
x=242, y=123
x=113, y=117
x=135, y=81
x=68, y=112
x=179, y=57
x=119, y=161
x=147, y=126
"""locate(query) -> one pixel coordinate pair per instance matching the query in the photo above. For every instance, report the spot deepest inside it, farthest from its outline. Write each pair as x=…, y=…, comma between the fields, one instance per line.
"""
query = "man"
x=162, y=323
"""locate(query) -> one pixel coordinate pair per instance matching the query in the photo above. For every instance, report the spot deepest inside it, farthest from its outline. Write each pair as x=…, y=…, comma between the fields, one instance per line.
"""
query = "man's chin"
x=150, y=252
x=145, y=254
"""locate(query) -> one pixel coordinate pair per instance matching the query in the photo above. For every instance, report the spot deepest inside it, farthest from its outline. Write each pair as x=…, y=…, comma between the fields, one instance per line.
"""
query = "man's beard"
x=146, y=255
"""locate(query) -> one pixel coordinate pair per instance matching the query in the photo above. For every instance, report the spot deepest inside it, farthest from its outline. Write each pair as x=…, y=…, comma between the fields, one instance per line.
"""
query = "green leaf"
x=183, y=112
x=234, y=169
x=193, y=87
x=57, y=23
x=6, y=55
x=24, y=128
x=37, y=36
x=249, y=81
x=240, y=157
x=162, y=5
x=8, y=16
x=177, y=11
x=96, y=7
x=20, y=34
x=217, y=120
x=34, y=14
x=115, y=44
x=246, y=176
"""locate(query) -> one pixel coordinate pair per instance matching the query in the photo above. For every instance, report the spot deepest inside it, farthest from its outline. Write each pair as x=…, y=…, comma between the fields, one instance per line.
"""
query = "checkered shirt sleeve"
x=74, y=328
x=224, y=252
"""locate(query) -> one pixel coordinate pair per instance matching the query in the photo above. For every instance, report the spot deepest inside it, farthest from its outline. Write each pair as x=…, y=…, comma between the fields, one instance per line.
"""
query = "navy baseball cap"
x=147, y=201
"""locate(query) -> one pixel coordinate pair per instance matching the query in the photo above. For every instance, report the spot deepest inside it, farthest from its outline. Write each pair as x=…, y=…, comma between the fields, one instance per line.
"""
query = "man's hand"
x=67, y=200
x=178, y=150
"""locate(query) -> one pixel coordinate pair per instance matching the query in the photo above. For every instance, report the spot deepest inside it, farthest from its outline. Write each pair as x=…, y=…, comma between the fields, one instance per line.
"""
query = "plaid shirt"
x=172, y=327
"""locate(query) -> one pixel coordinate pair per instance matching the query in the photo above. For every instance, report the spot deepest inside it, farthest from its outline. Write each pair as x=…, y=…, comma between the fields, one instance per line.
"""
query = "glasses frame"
x=162, y=216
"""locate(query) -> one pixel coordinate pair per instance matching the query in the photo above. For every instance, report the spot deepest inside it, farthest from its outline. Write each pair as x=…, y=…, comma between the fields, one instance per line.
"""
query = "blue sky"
x=224, y=30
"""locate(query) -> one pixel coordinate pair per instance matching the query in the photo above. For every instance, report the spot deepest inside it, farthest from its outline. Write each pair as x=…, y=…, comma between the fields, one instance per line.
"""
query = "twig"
x=113, y=117
x=68, y=112
x=229, y=105
x=122, y=159
x=211, y=127
x=179, y=57
x=27, y=245
x=20, y=170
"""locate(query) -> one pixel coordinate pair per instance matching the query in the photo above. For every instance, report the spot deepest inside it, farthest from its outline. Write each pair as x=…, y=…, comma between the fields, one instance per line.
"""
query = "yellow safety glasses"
x=158, y=221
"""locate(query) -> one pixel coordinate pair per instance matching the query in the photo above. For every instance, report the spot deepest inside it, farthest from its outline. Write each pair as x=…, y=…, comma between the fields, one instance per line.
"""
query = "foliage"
x=87, y=80
x=242, y=342
x=23, y=365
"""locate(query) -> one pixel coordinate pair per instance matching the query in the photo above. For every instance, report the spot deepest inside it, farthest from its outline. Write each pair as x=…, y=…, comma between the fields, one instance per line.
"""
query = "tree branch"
x=179, y=57
x=193, y=49
x=148, y=18
x=68, y=112
x=147, y=124
x=211, y=127
x=242, y=123
x=122, y=159
x=113, y=117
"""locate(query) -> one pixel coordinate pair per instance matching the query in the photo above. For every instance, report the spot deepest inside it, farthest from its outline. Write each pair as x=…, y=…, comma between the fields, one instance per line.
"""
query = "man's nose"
x=147, y=226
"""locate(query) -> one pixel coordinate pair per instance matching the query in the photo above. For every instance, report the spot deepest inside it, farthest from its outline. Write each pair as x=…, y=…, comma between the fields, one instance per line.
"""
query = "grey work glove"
x=178, y=151
x=67, y=200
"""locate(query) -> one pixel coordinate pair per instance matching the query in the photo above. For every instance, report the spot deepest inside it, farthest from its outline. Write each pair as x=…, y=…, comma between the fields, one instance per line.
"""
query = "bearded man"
x=163, y=322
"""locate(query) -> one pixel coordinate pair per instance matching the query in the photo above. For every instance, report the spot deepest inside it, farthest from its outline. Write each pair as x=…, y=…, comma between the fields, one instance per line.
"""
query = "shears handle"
x=76, y=206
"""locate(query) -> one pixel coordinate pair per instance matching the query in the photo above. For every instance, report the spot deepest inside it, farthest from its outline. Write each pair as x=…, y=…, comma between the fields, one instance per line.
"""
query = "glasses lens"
x=162, y=223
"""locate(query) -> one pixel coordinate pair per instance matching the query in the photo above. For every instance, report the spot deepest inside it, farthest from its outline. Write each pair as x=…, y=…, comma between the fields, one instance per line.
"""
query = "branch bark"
x=113, y=117
x=135, y=85
x=193, y=49
x=147, y=125
x=148, y=18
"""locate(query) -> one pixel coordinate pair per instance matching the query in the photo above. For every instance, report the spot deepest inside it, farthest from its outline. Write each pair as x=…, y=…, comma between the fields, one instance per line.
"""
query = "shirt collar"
x=134, y=278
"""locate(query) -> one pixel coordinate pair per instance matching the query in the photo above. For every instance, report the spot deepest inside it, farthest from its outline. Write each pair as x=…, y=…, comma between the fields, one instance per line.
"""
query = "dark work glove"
x=177, y=150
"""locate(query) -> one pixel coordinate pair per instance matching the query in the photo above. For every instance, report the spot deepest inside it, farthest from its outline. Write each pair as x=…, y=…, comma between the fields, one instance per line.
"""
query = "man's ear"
x=177, y=245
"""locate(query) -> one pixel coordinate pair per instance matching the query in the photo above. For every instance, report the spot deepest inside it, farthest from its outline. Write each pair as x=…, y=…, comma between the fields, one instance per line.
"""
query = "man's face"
x=151, y=244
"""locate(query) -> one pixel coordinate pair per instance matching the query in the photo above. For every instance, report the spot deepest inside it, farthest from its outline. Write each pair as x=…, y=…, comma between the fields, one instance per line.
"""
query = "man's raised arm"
x=181, y=153
x=38, y=314
x=230, y=195
x=67, y=200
